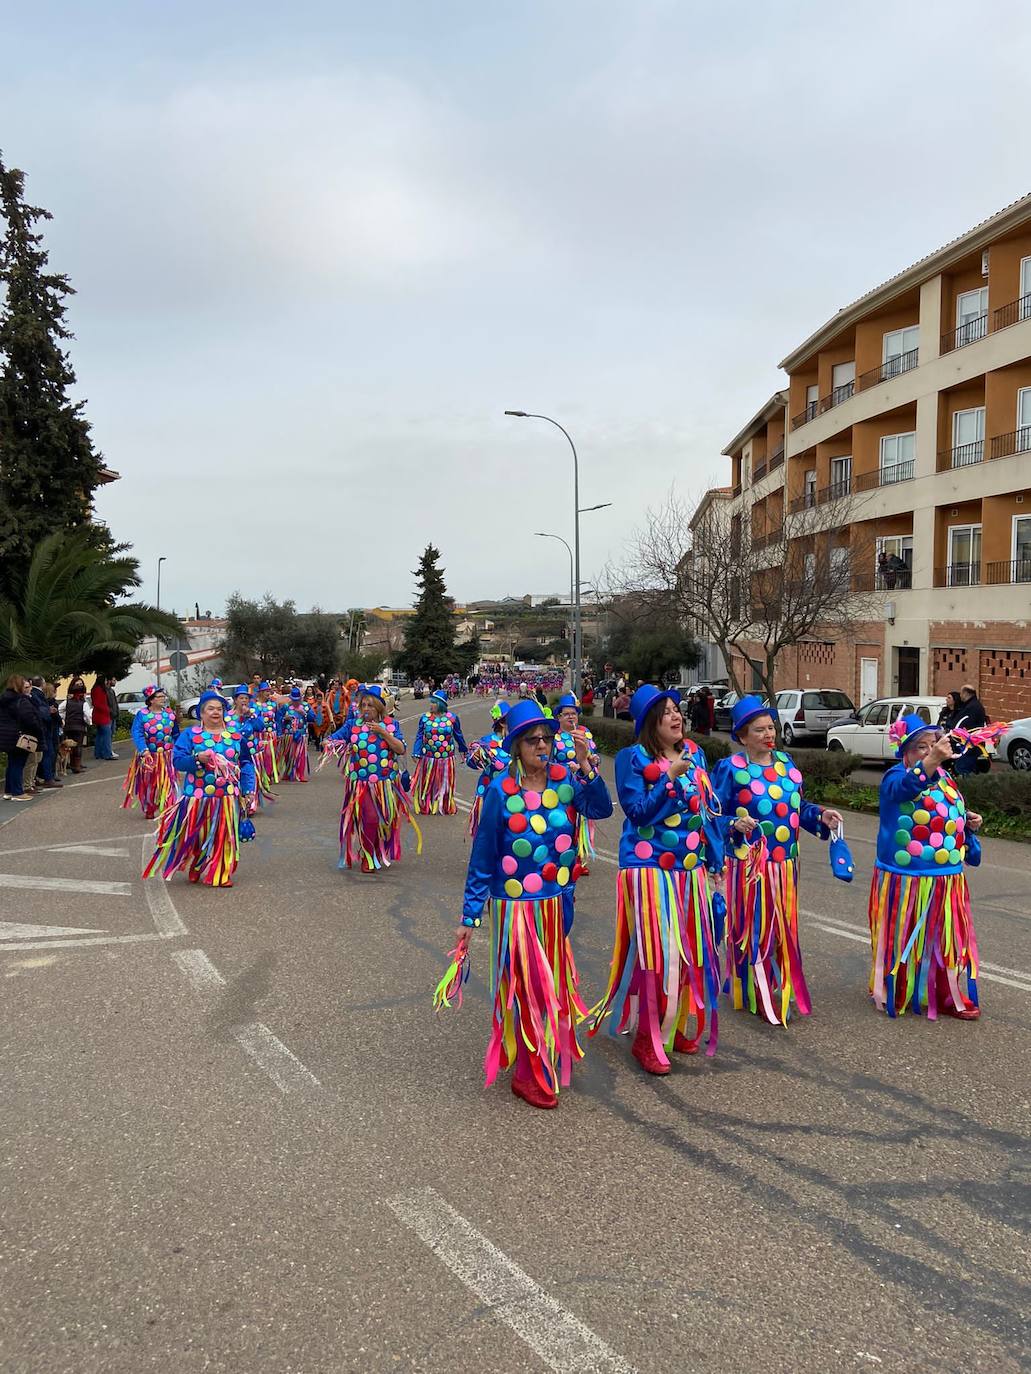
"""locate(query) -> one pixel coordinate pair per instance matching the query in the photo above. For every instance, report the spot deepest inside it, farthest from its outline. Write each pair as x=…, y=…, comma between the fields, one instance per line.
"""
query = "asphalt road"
x=236, y=1137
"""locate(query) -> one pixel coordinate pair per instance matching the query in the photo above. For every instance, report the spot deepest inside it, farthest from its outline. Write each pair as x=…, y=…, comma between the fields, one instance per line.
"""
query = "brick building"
x=906, y=418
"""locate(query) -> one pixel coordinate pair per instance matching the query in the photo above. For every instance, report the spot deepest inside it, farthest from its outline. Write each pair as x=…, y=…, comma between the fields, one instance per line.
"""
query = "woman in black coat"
x=18, y=717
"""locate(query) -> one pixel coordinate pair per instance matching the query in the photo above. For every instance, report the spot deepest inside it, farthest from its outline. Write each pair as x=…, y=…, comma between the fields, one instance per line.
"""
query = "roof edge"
x=777, y=401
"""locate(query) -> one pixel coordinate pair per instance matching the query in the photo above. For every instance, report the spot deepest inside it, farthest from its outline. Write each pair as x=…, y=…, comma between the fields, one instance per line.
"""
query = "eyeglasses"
x=537, y=739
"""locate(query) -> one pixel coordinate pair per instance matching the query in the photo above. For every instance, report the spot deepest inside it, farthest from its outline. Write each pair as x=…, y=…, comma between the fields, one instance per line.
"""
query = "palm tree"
x=67, y=611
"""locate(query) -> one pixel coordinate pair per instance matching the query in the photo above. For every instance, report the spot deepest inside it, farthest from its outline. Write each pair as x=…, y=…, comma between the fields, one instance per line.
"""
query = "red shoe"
x=531, y=1091
x=965, y=1013
x=683, y=1045
x=645, y=1055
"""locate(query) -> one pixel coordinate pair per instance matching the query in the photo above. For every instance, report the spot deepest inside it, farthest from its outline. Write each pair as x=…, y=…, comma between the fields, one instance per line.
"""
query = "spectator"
x=101, y=703
x=38, y=759
x=701, y=713
x=951, y=712
x=885, y=571
x=973, y=716
x=52, y=742
x=19, y=721
x=76, y=719
x=112, y=697
x=621, y=704
x=588, y=696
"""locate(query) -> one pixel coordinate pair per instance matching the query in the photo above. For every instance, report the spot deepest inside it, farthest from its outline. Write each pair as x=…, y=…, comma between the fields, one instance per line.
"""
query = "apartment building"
x=906, y=421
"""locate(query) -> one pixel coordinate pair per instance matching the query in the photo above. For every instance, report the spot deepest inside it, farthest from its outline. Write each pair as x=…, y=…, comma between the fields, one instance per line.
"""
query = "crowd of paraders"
x=706, y=901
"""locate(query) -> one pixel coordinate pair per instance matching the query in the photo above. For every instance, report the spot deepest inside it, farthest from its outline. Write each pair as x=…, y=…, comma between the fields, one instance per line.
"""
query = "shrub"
x=822, y=768
x=613, y=735
x=1007, y=792
x=123, y=726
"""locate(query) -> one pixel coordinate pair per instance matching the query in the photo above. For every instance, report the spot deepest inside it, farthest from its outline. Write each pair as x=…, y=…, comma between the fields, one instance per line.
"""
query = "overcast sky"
x=321, y=247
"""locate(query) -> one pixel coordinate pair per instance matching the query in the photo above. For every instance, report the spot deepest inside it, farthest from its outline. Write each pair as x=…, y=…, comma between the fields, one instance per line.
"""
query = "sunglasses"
x=537, y=739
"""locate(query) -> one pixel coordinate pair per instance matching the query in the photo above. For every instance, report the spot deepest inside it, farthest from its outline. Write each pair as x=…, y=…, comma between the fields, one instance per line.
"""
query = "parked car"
x=867, y=734
x=724, y=707
x=1015, y=745
x=131, y=702
x=188, y=708
x=804, y=712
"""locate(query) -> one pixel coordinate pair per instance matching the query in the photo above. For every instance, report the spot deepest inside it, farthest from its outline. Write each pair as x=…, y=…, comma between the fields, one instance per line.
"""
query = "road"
x=237, y=1138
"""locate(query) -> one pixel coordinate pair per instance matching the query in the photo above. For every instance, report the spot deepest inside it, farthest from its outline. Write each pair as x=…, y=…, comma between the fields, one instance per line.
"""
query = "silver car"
x=810, y=712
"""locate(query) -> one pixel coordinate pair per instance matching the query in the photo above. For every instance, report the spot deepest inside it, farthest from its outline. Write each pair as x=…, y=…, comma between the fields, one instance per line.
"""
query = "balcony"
x=967, y=333
x=777, y=458
x=892, y=580
x=759, y=471
x=807, y=501
x=834, y=398
x=764, y=541
x=810, y=413
x=962, y=456
x=885, y=477
x=958, y=575
x=1013, y=313
x=1002, y=574
x=891, y=367
x=1018, y=441
x=736, y=491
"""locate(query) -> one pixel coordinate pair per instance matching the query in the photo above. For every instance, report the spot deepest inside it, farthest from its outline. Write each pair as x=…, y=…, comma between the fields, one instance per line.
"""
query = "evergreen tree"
x=49, y=469
x=429, y=649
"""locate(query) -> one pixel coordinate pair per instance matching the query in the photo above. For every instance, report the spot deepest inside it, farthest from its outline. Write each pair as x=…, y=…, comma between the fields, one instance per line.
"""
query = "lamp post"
x=157, y=642
x=542, y=534
x=577, y=645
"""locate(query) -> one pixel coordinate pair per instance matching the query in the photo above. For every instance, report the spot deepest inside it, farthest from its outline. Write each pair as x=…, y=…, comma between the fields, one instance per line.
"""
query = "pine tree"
x=429, y=649
x=49, y=469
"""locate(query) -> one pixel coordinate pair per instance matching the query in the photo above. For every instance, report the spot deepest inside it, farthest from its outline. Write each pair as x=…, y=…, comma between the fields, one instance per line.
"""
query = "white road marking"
x=92, y=782
x=16, y=930
x=31, y=883
x=90, y=849
x=255, y=1039
x=560, y=1340
x=49, y=848
x=993, y=973
x=81, y=943
x=160, y=904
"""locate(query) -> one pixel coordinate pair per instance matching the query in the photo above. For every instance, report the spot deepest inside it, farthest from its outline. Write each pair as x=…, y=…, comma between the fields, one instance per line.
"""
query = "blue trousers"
x=102, y=744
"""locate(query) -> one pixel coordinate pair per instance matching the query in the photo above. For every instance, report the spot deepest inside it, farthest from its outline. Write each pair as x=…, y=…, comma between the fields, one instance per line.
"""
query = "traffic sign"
x=178, y=660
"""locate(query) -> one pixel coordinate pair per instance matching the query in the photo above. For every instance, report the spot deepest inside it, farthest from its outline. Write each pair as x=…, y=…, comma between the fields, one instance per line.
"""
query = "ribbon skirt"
x=199, y=836
x=293, y=763
x=763, y=961
x=150, y=786
x=923, y=943
x=664, y=965
x=433, y=786
x=535, y=990
x=370, y=825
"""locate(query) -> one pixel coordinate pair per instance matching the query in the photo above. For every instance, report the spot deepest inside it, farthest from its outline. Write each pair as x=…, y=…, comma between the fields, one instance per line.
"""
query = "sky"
x=319, y=249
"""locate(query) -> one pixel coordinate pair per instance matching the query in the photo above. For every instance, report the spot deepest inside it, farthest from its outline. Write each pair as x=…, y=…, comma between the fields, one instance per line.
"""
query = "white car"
x=132, y=702
x=867, y=734
x=1015, y=745
x=810, y=711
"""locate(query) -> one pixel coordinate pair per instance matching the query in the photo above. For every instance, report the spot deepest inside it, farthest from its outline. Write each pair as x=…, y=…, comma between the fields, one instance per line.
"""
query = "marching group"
x=707, y=885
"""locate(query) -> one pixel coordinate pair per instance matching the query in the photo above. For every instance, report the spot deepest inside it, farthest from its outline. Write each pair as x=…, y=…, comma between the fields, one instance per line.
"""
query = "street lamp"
x=542, y=534
x=577, y=629
x=157, y=642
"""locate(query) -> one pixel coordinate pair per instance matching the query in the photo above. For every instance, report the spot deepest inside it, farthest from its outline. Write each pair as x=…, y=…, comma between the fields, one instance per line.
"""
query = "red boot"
x=525, y=1084
x=683, y=1045
x=644, y=1052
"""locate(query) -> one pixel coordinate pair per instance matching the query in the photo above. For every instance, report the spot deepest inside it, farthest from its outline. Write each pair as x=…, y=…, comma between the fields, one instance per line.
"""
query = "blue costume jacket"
x=154, y=730
x=493, y=747
x=771, y=795
x=438, y=736
x=368, y=758
x=667, y=823
x=525, y=847
x=923, y=827
x=293, y=720
x=199, y=780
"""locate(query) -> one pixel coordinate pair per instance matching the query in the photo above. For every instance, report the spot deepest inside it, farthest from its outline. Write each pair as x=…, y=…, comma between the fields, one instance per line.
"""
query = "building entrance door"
x=867, y=680
x=909, y=672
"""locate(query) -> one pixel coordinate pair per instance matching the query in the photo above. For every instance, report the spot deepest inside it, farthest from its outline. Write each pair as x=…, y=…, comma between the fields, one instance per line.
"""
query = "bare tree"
x=752, y=592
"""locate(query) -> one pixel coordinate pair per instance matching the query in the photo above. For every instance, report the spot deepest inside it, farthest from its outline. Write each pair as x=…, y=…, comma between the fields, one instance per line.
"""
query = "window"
x=895, y=570
x=971, y=316
x=843, y=382
x=1021, y=548
x=785, y=700
x=896, y=710
x=839, y=561
x=964, y=555
x=841, y=476
x=810, y=567
x=1024, y=304
x=968, y=437
x=900, y=350
x=809, y=492
x=812, y=401
x=898, y=455
x=1023, y=420
x=827, y=701
x=878, y=714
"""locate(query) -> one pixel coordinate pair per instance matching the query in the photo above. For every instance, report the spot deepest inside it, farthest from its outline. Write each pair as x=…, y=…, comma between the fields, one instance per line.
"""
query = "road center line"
x=91, y=849
x=160, y=904
x=561, y=1340
x=38, y=884
x=70, y=844
x=81, y=943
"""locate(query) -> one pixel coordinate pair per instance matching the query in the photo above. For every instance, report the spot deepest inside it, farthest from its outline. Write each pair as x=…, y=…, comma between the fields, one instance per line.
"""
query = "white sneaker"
x=116, y=757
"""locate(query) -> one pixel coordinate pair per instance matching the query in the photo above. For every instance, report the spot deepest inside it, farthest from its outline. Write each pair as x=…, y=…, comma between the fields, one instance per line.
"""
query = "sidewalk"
x=109, y=774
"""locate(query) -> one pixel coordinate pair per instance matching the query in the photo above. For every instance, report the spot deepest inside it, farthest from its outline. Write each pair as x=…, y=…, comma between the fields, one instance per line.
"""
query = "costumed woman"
x=921, y=927
x=292, y=721
x=266, y=762
x=489, y=757
x=438, y=735
x=369, y=749
x=520, y=865
x=567, y=713
x=664, y=962
x=151, y=782
x=200, y=834
x=761, y=798
x=249, y=725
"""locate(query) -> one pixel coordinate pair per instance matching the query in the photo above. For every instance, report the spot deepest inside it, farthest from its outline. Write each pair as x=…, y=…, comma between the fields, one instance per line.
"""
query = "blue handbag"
x=842, y=864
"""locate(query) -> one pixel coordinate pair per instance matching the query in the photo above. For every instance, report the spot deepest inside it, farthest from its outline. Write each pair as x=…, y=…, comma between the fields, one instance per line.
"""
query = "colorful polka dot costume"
x=565, y=747
x=205, y=780
x=369, y=759
x=668, y=831
x=493, y=748
x=436, y=737
x=293, y=722
x=770, y=794
x=158, y=728
x=925, y=834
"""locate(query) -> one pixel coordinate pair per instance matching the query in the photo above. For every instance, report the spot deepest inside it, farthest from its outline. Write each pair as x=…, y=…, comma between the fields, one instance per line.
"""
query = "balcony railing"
x=1017, y=310
x=737, y=490
x=810, y=413
x=962, y=456
x=777, y=457
x=891, y=580
x=760, y=471
x=1001, y=574
x=807, y=501
x=885, y=477
x=891, y=367
x=958, y=575
x=966, y=333
x=763, y=541
x=834, y=398
x=1018, y=441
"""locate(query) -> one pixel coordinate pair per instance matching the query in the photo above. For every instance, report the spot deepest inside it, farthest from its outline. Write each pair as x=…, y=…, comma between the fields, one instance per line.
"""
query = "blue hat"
x=371, y=689
x=645, y=698
x=499, y=710
x=440, y=697
x=569, y=699
x=242, y=691
x=905, y=731
x=264, y=686
x=522, y=716
x=216, y=683
x=748, y=708
x=211, y=696
x=152, y=690
x=295, y=693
